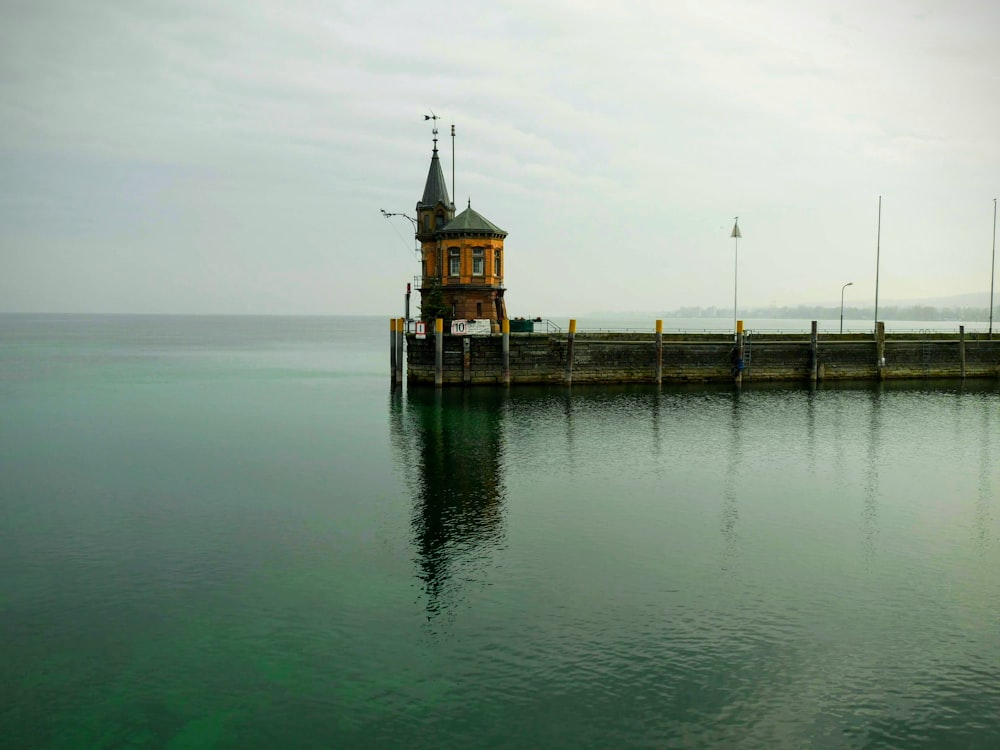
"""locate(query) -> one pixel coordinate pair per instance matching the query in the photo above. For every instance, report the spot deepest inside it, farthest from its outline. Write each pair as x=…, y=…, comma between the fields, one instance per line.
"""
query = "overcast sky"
x=232, y=157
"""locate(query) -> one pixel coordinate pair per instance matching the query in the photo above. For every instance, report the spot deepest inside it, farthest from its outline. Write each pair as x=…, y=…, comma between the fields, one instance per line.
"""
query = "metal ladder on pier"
x=734, y=352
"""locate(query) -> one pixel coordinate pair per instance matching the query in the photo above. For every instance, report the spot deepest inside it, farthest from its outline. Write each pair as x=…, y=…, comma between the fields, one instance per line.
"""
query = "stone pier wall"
x=631, y=358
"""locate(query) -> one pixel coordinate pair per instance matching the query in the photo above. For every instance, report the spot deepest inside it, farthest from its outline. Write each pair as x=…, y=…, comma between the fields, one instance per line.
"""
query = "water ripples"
x=253, y=562
x=720, y=569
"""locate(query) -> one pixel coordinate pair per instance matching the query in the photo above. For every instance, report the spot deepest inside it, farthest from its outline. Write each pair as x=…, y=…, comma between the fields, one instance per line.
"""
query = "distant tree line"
x=818, y=312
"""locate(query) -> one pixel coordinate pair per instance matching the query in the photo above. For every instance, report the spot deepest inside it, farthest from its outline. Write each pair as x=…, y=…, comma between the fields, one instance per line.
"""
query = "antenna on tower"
x=453, y=193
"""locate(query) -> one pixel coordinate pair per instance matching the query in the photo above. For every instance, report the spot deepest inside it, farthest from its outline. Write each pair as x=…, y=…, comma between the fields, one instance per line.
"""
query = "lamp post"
x=390, y=214
x=849, y=283
x=416, y=230
x=878, y=246
x=993, y=264
x=735, y=234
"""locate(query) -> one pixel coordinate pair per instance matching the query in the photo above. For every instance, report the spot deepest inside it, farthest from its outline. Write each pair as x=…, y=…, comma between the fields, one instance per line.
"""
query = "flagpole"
x=993, y=265
x=735, y=234
x=878, y=245
x=454, y=196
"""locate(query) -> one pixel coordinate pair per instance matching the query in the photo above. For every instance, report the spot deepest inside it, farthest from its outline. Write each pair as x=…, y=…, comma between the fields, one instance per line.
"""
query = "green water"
x=231, y=533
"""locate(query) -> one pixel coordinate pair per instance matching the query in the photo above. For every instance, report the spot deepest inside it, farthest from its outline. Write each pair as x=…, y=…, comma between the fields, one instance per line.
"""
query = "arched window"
x=439, y=220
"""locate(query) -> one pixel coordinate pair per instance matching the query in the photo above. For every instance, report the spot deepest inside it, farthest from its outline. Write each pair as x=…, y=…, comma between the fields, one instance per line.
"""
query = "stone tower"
x=462, y=256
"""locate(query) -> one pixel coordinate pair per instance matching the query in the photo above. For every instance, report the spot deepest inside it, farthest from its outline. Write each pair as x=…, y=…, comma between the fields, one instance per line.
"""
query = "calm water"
x=228, y=532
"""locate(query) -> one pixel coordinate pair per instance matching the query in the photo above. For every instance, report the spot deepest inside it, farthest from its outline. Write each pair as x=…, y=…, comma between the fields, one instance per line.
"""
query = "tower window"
x=427, y=222
x=439, y=221
x=496, y=263
x=454, y=265
x=478, y=262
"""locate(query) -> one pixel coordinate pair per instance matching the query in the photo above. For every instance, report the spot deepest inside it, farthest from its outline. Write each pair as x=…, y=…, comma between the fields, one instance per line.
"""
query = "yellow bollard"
x=392, y=349
x=400, y=348
x=505, y=352
x=438, y=352
x=568, y=377
x=659, y=352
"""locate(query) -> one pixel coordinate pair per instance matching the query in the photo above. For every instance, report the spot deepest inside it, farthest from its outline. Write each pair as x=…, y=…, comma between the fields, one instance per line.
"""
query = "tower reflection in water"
x=451, y=445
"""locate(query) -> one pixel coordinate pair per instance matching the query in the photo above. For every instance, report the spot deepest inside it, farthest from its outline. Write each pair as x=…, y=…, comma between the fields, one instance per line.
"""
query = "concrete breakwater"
x=569, y=357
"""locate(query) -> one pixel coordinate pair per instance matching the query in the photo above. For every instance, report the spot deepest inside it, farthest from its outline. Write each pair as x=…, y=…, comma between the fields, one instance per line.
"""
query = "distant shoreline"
x=803, y=312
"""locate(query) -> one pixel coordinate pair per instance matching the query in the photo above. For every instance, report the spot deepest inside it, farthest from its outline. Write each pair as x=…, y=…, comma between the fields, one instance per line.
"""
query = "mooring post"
x=880, y=349
x=392, y=350
x=505, y=327
x=400, y=328
x=438, y=352
x=961, y=349
x=740, y=364
x=466, y=360
x=569, y=352
x=659, y=352
x=813, y=353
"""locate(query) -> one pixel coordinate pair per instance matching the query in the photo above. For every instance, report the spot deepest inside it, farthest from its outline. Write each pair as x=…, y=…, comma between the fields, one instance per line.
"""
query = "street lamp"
x=993, y=265
x=849, y=283
x=878, y=245
x=390, y=214
x=416, y=231
x=735, y=234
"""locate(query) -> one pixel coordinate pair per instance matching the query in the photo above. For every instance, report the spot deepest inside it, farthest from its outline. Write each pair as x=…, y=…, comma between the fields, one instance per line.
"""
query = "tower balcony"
x=460, y=282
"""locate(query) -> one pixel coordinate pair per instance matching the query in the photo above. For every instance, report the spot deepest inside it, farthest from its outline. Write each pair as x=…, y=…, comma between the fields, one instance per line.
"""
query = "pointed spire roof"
x=471, y=222
x=436, y=189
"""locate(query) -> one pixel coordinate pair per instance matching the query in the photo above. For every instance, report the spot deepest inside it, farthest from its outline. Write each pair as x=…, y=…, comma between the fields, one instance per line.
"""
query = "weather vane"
x=434, y=118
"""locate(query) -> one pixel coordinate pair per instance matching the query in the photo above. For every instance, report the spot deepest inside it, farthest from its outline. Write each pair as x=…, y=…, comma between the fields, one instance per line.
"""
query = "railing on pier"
x=550, y=325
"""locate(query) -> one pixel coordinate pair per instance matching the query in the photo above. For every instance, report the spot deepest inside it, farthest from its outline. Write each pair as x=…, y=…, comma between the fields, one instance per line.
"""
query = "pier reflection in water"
x=451, y=445
x=767, y=566
x=987, y=490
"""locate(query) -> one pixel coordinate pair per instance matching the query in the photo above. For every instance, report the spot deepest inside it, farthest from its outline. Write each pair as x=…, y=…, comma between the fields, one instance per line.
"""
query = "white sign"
x=421, y=329
x=479, y=327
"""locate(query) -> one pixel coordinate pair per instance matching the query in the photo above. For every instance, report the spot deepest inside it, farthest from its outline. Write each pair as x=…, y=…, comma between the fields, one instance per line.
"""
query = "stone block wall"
x=631, y=358
x=777, y=359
